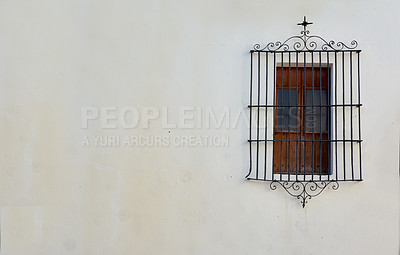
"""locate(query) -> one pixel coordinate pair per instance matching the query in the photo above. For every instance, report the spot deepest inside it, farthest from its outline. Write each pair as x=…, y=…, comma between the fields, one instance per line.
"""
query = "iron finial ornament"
x=304, y=23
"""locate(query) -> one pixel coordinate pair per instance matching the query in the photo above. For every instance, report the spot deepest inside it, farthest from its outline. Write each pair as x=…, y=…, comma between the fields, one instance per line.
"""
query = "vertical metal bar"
x=266, y=115
x=258, y=109
x=351, y=114
x=344, y=121
x=280, y=178
x=303, y=117
x=273, y=119
x=289, y=109
x=251, y=97
x=312, y=112
x=328, y=112
x=297, y=110
x=320, y=116
x=336, y=126
x=359, y=110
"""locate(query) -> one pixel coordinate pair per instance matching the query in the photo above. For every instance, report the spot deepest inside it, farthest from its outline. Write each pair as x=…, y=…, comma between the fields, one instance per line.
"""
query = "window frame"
x=302, y=88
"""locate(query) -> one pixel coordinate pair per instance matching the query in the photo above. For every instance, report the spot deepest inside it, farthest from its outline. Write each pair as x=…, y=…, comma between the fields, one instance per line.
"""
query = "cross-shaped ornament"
x=304, y=23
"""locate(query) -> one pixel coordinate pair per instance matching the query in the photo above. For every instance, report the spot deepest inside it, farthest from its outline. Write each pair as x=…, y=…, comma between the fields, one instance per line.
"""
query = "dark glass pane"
x=316, y=118
x=287, y=116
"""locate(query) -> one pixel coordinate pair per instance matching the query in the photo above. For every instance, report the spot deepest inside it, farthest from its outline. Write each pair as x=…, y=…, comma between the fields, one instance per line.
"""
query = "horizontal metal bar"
x=317, y=181
x=295, y=140
x=326, y=105
x=308, y=51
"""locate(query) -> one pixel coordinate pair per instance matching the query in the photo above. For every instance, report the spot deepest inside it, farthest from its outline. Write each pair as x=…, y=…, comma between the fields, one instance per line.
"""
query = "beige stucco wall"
x=58, y=197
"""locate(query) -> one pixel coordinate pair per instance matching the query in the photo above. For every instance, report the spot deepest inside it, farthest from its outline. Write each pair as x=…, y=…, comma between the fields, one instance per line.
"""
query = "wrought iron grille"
x=305, y=125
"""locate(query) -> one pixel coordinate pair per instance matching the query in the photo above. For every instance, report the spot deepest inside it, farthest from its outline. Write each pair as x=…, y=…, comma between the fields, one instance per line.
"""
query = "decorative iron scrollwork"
x=304, y=190
x=306, y=42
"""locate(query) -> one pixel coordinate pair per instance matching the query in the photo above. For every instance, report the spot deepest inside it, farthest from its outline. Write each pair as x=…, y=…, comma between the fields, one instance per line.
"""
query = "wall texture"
x=59, y=197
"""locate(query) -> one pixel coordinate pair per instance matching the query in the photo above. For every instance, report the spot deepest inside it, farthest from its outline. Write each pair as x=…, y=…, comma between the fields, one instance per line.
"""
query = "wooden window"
x=301, y=130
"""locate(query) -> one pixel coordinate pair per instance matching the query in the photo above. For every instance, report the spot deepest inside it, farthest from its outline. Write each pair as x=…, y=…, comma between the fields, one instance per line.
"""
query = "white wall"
x=58, y=197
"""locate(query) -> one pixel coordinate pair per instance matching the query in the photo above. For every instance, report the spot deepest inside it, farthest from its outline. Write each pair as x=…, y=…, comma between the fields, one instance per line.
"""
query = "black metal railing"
x=305, y=125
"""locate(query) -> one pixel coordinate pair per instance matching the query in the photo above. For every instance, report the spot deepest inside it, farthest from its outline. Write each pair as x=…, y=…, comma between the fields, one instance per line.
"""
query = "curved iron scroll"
x=304, y=190
x=306, y=42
